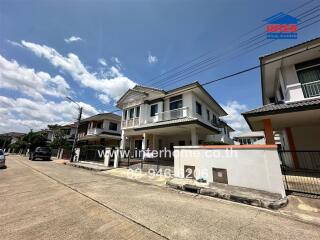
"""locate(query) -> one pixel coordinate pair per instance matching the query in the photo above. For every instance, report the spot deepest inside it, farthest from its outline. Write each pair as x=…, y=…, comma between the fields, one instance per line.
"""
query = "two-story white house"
x=101, y=129
x=156, y=119
x=290, y=81
x=68, y=131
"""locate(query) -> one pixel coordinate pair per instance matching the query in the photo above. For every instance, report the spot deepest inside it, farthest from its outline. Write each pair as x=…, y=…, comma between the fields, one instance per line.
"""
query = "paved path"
x=47, y=200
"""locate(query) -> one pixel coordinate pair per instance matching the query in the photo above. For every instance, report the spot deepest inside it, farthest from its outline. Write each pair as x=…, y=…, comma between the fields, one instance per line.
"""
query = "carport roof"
x=284, y=108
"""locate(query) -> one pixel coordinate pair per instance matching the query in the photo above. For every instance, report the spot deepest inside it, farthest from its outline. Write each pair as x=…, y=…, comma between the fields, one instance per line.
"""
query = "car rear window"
x=43, y=149
x=1, y=152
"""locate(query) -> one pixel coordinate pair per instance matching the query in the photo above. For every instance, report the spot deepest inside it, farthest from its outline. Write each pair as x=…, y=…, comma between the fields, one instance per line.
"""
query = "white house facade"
x=157, y=119
x=101, y=129
x=291, y=96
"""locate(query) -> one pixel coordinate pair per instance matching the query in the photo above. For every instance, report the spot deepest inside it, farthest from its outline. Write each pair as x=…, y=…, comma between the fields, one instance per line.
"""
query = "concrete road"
x=46, y=200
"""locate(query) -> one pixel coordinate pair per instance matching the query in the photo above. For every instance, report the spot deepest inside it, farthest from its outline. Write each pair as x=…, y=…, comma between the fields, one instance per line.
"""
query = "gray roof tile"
x=284, y=107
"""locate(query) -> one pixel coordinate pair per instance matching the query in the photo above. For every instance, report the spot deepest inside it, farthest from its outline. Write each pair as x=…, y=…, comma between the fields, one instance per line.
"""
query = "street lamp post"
x=77, y=127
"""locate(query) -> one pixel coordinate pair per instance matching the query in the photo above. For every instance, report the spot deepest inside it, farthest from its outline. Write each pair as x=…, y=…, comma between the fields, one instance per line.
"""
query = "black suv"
x=43, y=153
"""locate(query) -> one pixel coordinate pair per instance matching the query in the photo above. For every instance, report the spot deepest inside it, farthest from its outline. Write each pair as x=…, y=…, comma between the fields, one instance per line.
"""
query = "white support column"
x=107, y=156
x=76, y=155
x=61, y=153
x=123, y=140
x=144, y=144
x=194, y=137
x=116, y=158
x=144, y=141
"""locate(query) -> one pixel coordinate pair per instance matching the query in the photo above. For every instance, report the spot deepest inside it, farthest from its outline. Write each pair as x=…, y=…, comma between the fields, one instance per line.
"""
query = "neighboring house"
x=290, y=81
x=224, y=135
x=68, y=132
x=249, y=138
x=101, y=129
x=12, y=136
x=156, y=119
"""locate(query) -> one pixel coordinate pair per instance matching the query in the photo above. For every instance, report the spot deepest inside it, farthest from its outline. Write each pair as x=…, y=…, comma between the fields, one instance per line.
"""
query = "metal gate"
x=301, y=171
x=92, y=153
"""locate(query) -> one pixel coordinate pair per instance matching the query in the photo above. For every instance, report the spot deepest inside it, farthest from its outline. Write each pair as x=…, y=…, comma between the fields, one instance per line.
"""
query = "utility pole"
x=76, y=134
x=77, y=128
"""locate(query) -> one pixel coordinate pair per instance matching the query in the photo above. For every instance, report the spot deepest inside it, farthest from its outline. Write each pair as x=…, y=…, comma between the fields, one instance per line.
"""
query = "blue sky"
x=126, y=42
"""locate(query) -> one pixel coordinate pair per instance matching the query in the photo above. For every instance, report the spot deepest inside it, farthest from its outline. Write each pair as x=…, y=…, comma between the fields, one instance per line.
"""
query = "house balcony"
x=159, y=117
x=311, y=89
x=130, y=123
x=170, y=115
x=94, y=131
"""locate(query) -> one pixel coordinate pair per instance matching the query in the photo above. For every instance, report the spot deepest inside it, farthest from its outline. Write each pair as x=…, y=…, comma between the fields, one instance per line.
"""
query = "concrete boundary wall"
x=251, y=166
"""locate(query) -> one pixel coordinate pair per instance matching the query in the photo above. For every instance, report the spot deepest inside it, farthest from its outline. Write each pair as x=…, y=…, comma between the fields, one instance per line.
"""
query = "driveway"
x=47, y=200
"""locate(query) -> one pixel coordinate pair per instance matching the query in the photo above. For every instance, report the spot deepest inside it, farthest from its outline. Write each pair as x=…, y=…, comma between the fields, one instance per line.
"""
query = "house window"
x=131, y=111
x=214, y=118
x=309, y=77
x=113, y=126
x=125, y=114
x=199, y=108
x=138, y=111
x=281, y=93
x=175, y=102
x=153, y=110
x=99, y=125
x=208, y=115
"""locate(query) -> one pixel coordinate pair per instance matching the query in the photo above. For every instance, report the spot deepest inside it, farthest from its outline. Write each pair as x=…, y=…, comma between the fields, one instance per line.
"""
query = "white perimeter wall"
x=257, y=168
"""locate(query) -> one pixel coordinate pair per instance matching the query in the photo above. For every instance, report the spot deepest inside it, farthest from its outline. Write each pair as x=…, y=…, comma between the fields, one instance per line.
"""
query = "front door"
x=138, y=147
x=138, y=144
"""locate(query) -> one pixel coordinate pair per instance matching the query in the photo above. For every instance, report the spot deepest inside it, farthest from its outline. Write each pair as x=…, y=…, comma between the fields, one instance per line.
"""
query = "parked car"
x=2, y=159
x=43, y=153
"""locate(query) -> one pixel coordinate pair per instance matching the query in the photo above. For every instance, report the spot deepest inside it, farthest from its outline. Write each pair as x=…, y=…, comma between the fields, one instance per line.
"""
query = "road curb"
x=254, y=201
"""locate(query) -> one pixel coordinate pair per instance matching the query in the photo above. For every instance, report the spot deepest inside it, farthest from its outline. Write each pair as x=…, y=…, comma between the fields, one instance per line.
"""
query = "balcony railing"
x=162, y=116
x=94, y=131
x=311, y=89
x=173, y=114
x=130, y=123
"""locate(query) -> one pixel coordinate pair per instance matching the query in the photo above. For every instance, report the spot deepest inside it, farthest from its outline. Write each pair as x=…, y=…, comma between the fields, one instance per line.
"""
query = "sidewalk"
x=299, y=207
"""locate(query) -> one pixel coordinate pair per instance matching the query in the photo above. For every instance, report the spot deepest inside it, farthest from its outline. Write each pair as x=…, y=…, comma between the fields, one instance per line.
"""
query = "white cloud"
x=15, y=44
x=73, y=39
x=23, y=114
x=116, y=60
x=29, y=82
x=113, y=87
x=104, y=98
x=152, y=59
x=234, y=118
x=103, y=62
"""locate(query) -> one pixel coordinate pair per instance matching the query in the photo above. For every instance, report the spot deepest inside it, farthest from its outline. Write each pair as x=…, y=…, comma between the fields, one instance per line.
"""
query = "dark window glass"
x=154, y=110
x=175, y=102
x=199, y=108
x=131, y=111
x=309, y=75
x=99, y=125
x=138, y=111
x=1, y=152
x=175, y=105
x=214, y=118
x=113, y=126
x=208, y=115
x=281, y=93
x=125, y=114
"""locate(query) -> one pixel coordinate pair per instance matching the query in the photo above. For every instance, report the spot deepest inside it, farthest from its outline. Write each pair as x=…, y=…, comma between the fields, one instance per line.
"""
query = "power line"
x=151, y=82
x=205, y=63
x=248, y=69
x=304, y=13
x=240, y=53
